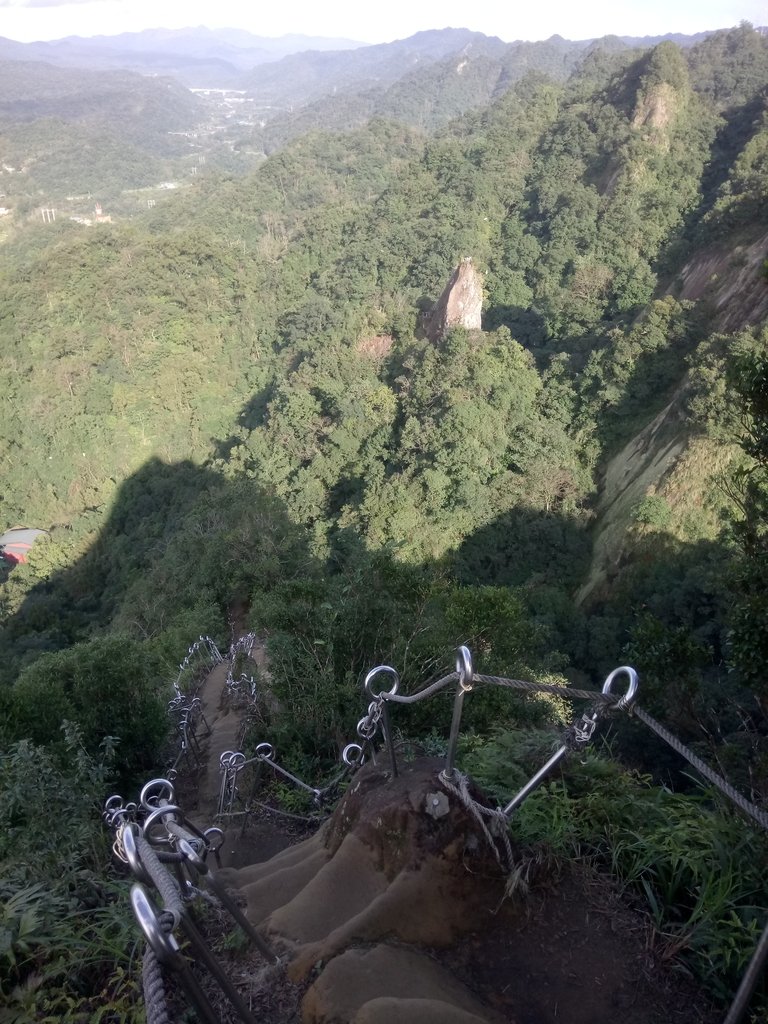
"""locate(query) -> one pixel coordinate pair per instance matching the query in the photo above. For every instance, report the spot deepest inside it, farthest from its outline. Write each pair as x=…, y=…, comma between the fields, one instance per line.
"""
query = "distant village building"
x=15, y=545
x=99, y=217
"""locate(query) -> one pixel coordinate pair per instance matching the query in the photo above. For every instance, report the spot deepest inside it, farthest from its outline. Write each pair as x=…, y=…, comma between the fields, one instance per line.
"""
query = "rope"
x=512, y=684
x=397, y=698
x=162, y=881
x=717, y=780
x=287, y=814
x=479, y=813
x=153, y=986
x=558, y=691
x=601, y=699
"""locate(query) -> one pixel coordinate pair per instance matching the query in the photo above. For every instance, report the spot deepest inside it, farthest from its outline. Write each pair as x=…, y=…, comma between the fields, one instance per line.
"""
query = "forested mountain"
x=66, y=131
x=301, y=78
x=32, y=90
x=427, y=95
x=231, y=401
x=70, y=131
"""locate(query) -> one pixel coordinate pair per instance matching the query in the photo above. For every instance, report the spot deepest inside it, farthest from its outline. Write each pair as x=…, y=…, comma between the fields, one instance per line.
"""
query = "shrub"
x=108, y=686
x=653, y=511
x=64, y=929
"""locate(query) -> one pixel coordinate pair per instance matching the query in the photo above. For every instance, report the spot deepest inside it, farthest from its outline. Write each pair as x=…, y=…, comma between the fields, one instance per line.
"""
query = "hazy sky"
x=377, y=22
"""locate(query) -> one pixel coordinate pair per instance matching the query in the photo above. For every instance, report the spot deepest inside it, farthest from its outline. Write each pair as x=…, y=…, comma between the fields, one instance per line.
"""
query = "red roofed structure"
x=15, y=544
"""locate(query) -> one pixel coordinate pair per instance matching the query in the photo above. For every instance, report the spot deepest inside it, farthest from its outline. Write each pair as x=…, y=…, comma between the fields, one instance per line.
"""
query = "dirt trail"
x=265, y=835
x=225, y=728
x=389, y=916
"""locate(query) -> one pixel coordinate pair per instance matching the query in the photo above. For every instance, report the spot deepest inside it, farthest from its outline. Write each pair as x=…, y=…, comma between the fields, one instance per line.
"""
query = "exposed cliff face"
x=732, y=282
x=663, y=459
x=638, y=468
x=657, y=109
x=460, y=305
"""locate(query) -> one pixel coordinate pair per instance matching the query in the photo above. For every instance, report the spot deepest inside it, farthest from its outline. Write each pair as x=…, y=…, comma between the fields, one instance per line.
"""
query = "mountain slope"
x=431, y=94
x=140, y=106
x=302, y=78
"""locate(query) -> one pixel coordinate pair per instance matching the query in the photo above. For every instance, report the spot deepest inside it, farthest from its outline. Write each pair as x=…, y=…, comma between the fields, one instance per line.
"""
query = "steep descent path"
x=392, y=914
x=200, y=795
x=225, y=729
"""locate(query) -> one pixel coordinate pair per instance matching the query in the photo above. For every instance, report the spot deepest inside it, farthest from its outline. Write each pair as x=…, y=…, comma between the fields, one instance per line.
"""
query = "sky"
x=28, y=20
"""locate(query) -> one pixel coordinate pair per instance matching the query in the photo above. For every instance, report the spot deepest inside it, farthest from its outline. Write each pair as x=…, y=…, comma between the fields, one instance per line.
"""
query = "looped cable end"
x=624, y=702
x=382, y=694
x=464, y=668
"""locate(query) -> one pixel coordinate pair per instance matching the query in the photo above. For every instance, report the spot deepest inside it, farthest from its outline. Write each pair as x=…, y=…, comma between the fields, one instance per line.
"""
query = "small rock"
x=437, y=805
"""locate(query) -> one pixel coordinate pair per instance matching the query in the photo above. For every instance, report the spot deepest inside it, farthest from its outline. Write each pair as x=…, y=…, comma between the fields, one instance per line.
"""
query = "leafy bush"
x=653, y=511
x=66, y=936
x=109, y=686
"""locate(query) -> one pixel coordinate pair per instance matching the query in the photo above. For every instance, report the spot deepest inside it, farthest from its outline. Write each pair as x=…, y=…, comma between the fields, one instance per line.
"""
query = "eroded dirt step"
x=390, y=916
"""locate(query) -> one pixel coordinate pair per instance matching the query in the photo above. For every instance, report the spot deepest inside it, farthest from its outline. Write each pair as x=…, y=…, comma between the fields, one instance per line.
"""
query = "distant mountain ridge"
x=303, y=78
x=235, y=58
x=197, y=56
x=31, y=90
x=428, y=94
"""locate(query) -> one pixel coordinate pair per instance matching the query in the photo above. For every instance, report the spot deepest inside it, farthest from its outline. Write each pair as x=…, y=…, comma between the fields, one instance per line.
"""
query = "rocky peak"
x=460, y=305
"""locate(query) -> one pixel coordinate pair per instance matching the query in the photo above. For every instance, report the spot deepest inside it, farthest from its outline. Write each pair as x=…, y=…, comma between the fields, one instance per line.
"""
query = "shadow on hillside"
x=525, y=324
x=735, y=130
x=173, y=530
x=183, y=539
x=525, y=547
x=253, y=412
x=184, y=543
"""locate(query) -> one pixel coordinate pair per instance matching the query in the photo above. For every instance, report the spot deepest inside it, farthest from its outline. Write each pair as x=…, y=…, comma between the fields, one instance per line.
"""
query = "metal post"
x=167, y=951
x=749, y=981
x=388, y=738
x=216, y=970
x=210, y=880
x=381, y=697
x=466, y=675
x=536, y=781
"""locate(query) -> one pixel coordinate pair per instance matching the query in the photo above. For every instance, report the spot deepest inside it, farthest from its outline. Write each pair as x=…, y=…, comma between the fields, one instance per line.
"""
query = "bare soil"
x=574, y=953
